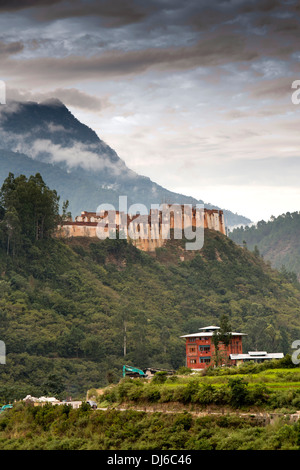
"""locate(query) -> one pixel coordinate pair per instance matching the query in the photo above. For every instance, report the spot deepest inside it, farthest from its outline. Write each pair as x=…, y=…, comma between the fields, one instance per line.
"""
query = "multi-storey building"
x=200, y=349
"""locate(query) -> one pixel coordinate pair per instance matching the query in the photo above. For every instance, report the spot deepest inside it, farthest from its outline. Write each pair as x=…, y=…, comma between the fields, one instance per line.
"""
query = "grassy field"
x=273, y=378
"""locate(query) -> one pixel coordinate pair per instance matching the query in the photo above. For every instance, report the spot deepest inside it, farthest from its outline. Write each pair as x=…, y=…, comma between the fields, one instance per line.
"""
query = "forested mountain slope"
x=66, y=306
x=278, y=240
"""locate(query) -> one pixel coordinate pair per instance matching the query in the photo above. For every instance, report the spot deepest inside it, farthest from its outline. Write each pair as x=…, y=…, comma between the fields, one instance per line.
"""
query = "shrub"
x=179, y=392
x=205, y=395
x=172, y=379
x=166, y=394
x=110, y=395
x=239, y=392
x=184, y=370
x=184, y=421
x=258, y=395
x=151, y=394
x=135, y=391
x=190, y=391
x=221, y=395
x=160, y=377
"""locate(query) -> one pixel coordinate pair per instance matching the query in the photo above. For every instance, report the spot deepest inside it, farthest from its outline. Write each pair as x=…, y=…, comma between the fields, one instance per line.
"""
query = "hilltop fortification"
x=146, y=231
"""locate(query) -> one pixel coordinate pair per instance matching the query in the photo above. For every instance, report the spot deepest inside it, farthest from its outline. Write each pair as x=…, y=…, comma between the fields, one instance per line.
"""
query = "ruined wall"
x=147, y=232
x=214, y=220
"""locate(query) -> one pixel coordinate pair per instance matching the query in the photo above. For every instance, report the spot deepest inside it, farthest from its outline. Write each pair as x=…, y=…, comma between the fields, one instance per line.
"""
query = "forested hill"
x=64, y=306
x=278, y=240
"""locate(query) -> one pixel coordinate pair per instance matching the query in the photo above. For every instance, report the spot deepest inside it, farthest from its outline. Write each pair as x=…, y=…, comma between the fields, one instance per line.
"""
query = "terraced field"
x=256, y=389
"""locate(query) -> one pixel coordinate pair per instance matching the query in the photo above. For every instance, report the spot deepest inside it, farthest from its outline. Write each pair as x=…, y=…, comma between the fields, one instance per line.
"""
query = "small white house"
x=255, y=356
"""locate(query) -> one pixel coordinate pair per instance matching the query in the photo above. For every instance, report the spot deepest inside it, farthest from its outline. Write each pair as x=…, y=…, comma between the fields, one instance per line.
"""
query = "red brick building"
x=200, y=349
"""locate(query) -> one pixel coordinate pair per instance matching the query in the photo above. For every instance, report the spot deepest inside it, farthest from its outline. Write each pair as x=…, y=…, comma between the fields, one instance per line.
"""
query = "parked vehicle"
x=5, y=407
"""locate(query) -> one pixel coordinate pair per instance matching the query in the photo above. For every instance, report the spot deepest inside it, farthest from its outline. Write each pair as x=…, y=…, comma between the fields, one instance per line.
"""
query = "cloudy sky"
x=195, y=94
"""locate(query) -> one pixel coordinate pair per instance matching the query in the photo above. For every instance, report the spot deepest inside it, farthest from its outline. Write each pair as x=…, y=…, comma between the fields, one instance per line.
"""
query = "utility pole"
x=125, y=337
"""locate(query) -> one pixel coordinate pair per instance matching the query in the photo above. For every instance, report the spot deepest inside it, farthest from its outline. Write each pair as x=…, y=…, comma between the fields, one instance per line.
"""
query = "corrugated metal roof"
x=210, y=328
x=257, y=353
x=209, y=333
x=262, y=356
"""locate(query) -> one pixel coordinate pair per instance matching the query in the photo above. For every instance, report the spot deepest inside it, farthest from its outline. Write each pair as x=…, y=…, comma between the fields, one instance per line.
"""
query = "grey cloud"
x=204, y=15
x=277, y=88
x=263, y=171
x=119, y=12
x=79, y=99
x=116, y=12
x=16, y=5
x=259, y=111
x=214, y=50
x=199, y=14
x=227, y=27
x=10, y=48
x=254, y=6
x=77, y=155
x=270, y=27
x=69, y=96
x=280, y=27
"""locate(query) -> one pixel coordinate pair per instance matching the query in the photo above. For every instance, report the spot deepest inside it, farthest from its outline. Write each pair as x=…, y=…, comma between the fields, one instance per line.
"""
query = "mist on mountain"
x=85, y=169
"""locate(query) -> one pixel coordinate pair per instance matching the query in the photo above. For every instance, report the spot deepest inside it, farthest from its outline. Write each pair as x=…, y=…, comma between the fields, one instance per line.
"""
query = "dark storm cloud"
x=268, y=27
x=204, y=15
x=119, y=12
x=16, y=5
x=253, y=6
x=213, y=51
x=116, y=12
x=199, y=14
x=225, y=33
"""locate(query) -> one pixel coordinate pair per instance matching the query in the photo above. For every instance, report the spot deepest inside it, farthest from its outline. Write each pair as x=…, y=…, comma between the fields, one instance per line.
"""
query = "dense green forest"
x=62, y=428
x=72, y=312
x=277, y=240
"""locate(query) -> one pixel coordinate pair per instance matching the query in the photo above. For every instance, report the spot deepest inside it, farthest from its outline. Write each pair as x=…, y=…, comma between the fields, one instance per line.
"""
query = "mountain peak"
x=48, y=132
x=14, y=106
x=32, y=120
x=55, y=102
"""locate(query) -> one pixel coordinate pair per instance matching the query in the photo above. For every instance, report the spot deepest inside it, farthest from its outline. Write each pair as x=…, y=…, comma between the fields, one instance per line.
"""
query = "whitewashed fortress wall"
x=151, y=228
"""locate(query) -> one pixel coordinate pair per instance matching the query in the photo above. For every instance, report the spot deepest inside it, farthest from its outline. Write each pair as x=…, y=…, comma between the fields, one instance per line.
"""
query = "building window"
x=193, y=361
x=204, y=348
x=205, y=360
